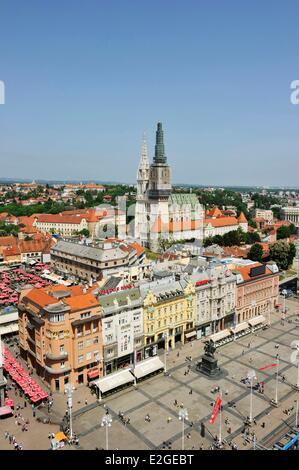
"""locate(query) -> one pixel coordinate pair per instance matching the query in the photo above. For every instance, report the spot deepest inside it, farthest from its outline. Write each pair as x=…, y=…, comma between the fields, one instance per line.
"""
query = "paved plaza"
x=156, y=396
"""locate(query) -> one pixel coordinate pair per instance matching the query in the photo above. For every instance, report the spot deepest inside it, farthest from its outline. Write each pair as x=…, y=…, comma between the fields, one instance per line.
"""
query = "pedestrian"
x=33, y=413
x=190, y=392
x=86, y=402
x=25, y=404
x=169, y=419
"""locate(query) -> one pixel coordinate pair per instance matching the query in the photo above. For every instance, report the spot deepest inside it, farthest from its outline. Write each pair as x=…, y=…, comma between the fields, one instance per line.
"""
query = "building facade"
x=94, y=261
x=122, y=329
x=216, y=223
x=60, y=334
x=257, y=291
x=215, y=294
x=168, y=313
x=291, y=214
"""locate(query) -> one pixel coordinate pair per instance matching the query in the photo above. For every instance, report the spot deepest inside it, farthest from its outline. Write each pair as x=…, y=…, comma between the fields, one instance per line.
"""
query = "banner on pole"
x=215, y=411
x=268, y=366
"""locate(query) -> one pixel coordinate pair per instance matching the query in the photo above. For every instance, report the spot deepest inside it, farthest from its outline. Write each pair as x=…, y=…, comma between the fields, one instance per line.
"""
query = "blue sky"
x=84, y=79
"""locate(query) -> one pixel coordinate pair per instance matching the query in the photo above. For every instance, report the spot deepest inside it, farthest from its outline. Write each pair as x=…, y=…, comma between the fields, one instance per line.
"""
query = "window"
x=96, y=340
x=79, y=331
x=80, y=345
x=56, y=318
x=61, y=334
x=61, y=348
x=80, y=358
x=88, y=342
x=85, y=315
x=62, y=365
x=88, y=356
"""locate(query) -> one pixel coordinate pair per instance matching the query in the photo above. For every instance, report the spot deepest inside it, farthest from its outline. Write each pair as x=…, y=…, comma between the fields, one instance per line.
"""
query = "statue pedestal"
x=209, y=366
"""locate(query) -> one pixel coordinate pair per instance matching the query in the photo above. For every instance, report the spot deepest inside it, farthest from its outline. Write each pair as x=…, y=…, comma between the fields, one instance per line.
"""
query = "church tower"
x=143, y=172
x=160, y=175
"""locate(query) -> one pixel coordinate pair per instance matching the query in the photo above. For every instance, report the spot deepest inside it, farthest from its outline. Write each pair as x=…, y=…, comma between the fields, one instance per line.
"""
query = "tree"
x=208, y=241
x=285, y=231
x=232, y=238
x=282, y=253
x=84, y=232
x=255, y=253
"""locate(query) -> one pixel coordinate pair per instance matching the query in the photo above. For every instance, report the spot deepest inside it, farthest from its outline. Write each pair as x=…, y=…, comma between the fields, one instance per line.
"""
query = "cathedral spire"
x=144, y=163
x=159, y=147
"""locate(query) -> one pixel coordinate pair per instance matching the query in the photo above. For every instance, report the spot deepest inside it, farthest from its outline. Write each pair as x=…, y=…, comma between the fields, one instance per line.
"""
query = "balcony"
x=56, y=357
x=52, y=371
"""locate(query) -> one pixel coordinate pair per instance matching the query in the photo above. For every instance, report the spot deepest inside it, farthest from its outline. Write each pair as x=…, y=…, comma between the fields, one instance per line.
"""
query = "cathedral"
x=161, y=214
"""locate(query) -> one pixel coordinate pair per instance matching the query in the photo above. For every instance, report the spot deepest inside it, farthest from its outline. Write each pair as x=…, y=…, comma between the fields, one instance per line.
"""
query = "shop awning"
x=220, y=335
x=11, y=328
x=114, y=380
x=192, y=333
x=256, y=320
x=147, y=367
x=92, y=374
x=5, y=410
x=240, y=327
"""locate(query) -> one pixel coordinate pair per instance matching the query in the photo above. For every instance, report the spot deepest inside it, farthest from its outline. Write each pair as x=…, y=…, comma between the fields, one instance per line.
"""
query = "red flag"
x=216, y=409
x=268, y=366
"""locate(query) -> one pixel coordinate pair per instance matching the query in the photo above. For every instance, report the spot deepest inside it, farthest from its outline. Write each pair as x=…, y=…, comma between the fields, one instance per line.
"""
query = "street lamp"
x=165, y=336
x=183, y=415
x=251, y=377
x=274, y=402
x=69, y=391
x=106, y=422
x=284, y=293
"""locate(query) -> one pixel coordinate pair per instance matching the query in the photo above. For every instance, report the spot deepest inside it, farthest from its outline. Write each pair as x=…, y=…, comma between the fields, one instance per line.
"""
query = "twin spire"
x=159, y=149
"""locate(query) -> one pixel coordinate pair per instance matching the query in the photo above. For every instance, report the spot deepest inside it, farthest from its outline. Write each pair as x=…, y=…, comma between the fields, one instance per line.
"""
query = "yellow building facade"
x=169, y=316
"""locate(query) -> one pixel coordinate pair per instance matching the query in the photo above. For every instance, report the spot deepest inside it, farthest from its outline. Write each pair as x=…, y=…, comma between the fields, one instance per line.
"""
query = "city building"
x=168, y=313
x=266, y=214
x=9, y=321
x=95, y=260
x=216, y=223
x=159, y=214
x=60, y=334
x=122, y=328
x=100, y=222
x=215, y=290
x=291, y=214
x=257, y=290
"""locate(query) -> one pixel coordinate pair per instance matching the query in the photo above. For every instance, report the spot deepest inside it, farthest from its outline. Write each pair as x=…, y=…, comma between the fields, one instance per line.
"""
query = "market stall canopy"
x=111, y=381
x=147, y=367
x=240, y=327
x=220, y=335
x=256, y=320
x=5, y=410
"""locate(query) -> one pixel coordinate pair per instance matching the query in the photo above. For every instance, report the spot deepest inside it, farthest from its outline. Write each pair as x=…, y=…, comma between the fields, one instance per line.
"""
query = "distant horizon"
x=7, y=180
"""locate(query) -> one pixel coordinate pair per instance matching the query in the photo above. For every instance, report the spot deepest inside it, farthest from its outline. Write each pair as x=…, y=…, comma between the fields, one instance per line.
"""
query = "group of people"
x=12, y=440
x=124, y=419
